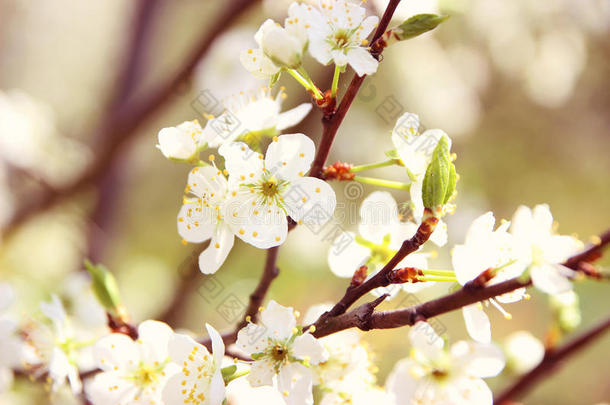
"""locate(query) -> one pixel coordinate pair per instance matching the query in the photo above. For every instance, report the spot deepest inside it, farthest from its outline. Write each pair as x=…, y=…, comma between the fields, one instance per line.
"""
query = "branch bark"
x=469, y=294
x=550, y=363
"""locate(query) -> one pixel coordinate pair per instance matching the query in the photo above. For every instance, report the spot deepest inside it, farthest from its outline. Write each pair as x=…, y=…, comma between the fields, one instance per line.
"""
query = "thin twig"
x=332, y=121
x=471, y=293
x=551, y=362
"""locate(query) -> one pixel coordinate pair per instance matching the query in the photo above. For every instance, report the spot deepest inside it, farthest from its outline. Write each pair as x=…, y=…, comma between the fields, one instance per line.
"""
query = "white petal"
x=549, y=279
x=155, y=337
x=346, y=256
x=296, y=380
x=7, y=296
x=257, y=63
x=290, y=156
x=401, y=382
x=279, y=320
x=292, y=117
x=467, y=263
x=524, y=351
x=320, y=48
x=361, y=60
x=252, y=338
x=470, y=391
x=242, y=163
x=116, y=350
x=368, y=25
x=196, y=223
x=110, y=388
x=477, y=323
x=559, y=248
x=261, y=373
x=218, y=346
x=310, y=200
x=208, y=182
x=308, y=347
x=180, y=347
x=212, y=258
x=177, y=144
x=263, y=226
x=424, y=339
x=478, y=359
x=379, y=216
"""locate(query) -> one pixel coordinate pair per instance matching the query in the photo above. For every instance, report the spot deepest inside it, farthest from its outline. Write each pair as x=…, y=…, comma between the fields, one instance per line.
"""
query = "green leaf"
x=104, y=286
x=419, y=24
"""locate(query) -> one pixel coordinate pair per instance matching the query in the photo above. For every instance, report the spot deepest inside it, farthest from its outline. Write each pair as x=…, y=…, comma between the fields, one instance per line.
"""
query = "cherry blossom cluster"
x=256, y=184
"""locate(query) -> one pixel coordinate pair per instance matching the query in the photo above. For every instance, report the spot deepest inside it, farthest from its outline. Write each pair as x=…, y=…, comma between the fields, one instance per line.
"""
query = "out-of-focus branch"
x=550, y=363
x=332, y=121
x=123, y=125
x=471, y=293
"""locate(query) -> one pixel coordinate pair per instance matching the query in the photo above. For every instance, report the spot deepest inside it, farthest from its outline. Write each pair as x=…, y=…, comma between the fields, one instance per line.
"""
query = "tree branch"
x=550, y=363
x=123, y=125
x=471, y=293
x=332, y=121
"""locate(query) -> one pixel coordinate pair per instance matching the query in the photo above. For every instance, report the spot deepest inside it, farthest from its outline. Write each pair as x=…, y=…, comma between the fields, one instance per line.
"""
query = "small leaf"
x=419, y=24
x=105, y=287
x=228, y=371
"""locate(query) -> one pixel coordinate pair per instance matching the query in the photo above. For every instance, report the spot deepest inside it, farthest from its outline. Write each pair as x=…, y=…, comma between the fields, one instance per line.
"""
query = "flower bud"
x=105, y=288
x=440, y=178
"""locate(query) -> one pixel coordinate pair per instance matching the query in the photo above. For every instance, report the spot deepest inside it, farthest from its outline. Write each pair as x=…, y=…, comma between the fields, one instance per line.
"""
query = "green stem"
x=317, y=93
x=442, y=273
x=361, y=168
x=335, y=85
x=299, y=79
x=437, y=278
x=382, y=183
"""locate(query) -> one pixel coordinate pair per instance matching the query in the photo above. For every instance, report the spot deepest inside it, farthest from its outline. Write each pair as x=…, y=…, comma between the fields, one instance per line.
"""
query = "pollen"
x=241, y=231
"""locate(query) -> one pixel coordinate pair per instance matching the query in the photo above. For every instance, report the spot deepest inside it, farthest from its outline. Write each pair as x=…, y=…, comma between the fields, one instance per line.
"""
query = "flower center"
x=270, y=187
x=147, y=374
x=341, y=38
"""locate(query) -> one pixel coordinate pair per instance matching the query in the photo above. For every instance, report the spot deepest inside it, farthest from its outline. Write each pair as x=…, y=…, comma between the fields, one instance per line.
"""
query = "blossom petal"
x=218, y=346
x=279, y=320
x=177, y=144
x=378, y=216
x=310, y=200
x=116, y=350
x=477, y=323
x=155, y=337
x=252, y=338
x=346, y=255
x=261, y=373
x=261, y=225
x=196, y=222
x=256, y=62
x=423, y=338
x=292, y=117
x=550, y=279
x=242, y=163
x=290, y=156
x=361, y=60
x=478, y=359
x=110, y=388
x=212, y=258
x=308, y=347
x=296, y=381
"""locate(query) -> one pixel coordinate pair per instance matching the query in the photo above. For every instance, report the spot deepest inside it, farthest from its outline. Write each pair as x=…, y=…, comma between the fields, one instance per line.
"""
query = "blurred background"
x=521, y=86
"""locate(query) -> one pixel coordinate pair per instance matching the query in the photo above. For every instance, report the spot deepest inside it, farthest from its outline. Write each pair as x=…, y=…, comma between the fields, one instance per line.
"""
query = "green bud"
x=105, y=287
x=440, y=177
x=418, y=24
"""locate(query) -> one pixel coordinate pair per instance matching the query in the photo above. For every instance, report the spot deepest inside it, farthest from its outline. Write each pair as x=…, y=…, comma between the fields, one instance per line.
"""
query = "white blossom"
x=279, y=349
x=486, y=249
x=338, y=32
x=279, y=47
x=202, y=216
x=544, y=249
x=523, y=351
x=381, y=233
x=252, y=115
x=10, y=345
x=133, y=372
x=200, y=380
x=433, y=375
x=264, y=190
x=182, y=141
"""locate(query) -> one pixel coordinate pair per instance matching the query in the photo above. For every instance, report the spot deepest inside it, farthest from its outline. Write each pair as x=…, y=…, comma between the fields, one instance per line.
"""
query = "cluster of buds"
x=339, y=171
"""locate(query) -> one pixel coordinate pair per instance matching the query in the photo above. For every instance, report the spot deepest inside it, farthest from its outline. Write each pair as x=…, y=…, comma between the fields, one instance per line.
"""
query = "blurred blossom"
x=435, y=87
x=29, y=140
x=6, y=197
x=220, y=71
x=523, y=351
x=87, y=311
x=541, y=44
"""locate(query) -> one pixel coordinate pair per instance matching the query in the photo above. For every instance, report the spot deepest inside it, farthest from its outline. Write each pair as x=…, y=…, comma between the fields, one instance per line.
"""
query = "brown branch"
x=550, y=363
x=333, y=120
x=471, y=293
x=382, y=278
x=125, y=123
x=270, y=272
